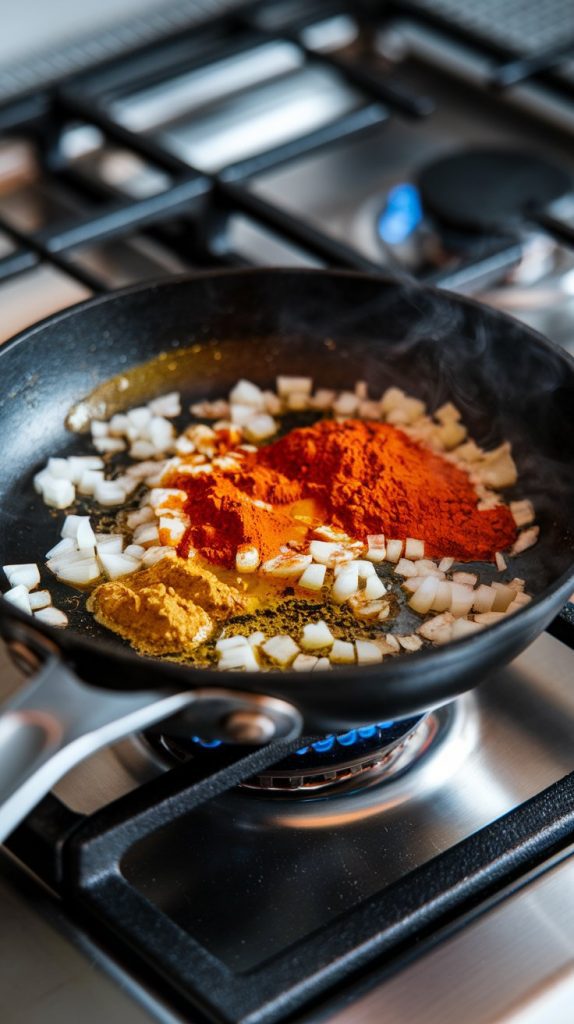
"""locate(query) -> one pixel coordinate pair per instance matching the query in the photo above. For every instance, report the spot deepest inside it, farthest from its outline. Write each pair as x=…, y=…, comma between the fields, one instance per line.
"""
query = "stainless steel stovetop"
x=284, y=137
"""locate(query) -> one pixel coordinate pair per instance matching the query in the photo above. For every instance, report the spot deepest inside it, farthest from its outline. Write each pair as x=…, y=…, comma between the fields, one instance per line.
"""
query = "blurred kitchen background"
x=144, y=138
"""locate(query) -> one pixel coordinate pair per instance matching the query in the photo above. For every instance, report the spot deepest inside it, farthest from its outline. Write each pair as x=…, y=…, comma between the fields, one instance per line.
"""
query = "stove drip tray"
x=360, y=756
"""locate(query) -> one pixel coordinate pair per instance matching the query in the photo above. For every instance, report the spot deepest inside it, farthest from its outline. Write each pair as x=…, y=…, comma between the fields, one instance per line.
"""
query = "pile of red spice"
x=367, y=477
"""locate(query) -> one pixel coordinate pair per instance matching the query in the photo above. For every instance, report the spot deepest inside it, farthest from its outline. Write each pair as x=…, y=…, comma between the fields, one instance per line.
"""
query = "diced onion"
x=85, y=537
x=19, y=597
x=228, y=643
x=156, y=553
x=412, y=642
x=342, y=653
x=483, y=598
x=414, y=548
x=286, y=565
x=79, y=573
x=443, y=597
x=58, y=493
x=40, y=599
x=298, y=385
x=374, y=588
x=109, y=543
x=438, y=629
x=346, y=584
x=256, y=639
x=462, y=597
x=445, y=564
x=60, y=469
x=345, y=404
x=166, y=405
x=52, y=617
x=313, y=578
x=322, y=665
x=282, y=650
x=470, y=578
x=394, y=550
x=25, y=574
x=368, y=653
x=260, y=427
x=304, y=663
x=500, y=561
x=147, y=534
x=490, y=618
x=89, y=480
x=525, y=540
x=239, y=658
x=64, y=546
x=108, y=493
x=422, y=599
x=503, y=596
x=316, y=635
x=247, y=558
x=464, y=627
x=139, y=516
x=109, y=445
x=133, y=550
x=115, y=566
x=406, y=568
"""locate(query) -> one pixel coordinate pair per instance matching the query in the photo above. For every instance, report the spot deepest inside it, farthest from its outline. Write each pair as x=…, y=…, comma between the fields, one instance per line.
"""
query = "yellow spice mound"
x=169, y=608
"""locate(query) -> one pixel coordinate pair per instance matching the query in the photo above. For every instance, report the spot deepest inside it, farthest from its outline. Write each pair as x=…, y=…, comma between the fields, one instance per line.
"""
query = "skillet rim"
x=431, y=656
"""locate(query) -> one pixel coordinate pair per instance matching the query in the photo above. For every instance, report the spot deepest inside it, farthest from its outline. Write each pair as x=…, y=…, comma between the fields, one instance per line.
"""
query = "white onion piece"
x=369, y=610
x=40, y=480
x=71, y=525
x=412, y=642
x=81, y=463
x=260, y=427
x=108, y=493
x=490, y=618
x=522, y=511
x=127, y=484
x=142, y=450
x=525, y=540
x=442, y=599
x=80, y=573
x=406, y=568
x=58, y=493
x=170, y=497
x=132, y=550
x=519, y=602
x=413, y=583
x=26, y=574
x=462, y=597
x=426, y=567
x=247, y=393
x=119, y=425
x=313, y=578
x=247, y=558
x=256, y=639
x=52, y=617
x=166, y=405
x=139, y=516
x=304, y=663
x=368, y=653
x=503, y=596
x=139, y=417
x=376, y=547
x=63, y=547
x=89, y=480
x=394, y=550
x=144, y=469
x=374, y=588
x=500, y=561
x=228, y=643
x=298, y=385
x=40, y=599
x=345, y=404
x=445, y=564
x=280, y=649
x=99, y=428
x=19, y=597
x=346, y=584
x=161, y=433
x=286, y=565
x=109, y=445
x=470, y=578
x=316, y=635
x=156, y=553
x=171, y=530
x=323, y=399
x=328, y=552
x=342, y=653
x=422, y=599
x=240, y=414
x=110, y=543
x=322, y=665
x=115, y=566
x=438, y=629
x=68, y=558
x=483, y=598
x=238, y=658
x=464, y=627
x=85, y=537
x=60, y=469
x=414, y=548
x=146, y=535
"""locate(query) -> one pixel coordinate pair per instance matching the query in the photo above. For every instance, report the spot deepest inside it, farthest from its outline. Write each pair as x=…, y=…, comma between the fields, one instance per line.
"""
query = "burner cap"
x=484, y=190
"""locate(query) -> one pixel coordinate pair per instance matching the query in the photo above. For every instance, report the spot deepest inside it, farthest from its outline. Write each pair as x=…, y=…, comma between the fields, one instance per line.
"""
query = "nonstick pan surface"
x=337, y=327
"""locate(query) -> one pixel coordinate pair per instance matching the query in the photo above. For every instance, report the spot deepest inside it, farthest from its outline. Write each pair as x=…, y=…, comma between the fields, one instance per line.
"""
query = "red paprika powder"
x=363, y=477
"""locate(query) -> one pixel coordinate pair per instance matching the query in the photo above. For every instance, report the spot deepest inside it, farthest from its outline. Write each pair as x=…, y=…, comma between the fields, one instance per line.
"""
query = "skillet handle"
x=54, y=722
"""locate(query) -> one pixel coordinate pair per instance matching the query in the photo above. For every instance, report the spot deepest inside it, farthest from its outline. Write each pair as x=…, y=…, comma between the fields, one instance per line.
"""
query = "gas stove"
x=405, y=870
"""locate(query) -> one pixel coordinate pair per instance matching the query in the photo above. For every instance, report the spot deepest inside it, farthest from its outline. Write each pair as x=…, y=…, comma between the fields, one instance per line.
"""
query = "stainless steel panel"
x=514, y=965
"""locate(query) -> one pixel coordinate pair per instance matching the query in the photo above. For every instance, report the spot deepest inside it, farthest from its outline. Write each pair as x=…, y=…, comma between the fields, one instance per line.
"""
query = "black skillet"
x=338, y=327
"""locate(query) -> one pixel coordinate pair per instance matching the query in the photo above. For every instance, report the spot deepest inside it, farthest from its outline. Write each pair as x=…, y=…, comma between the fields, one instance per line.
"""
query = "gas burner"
x=483, y=190
x=376, y=751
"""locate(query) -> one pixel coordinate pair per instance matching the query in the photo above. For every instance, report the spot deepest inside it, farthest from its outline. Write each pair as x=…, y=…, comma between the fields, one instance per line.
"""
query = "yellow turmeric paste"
x=170, y=608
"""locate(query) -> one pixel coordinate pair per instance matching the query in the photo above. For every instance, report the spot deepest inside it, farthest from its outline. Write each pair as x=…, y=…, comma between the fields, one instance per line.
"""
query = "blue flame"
x=345, y=739
x=401, y=215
